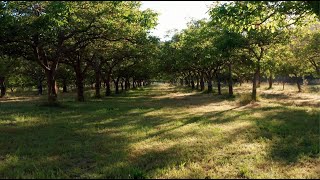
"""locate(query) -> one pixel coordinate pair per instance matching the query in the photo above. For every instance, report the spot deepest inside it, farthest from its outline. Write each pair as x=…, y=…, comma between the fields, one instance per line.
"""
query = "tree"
x=38, y=31
x=46, y=31
x=263, y=25
x=6, y=64
x=228, y=44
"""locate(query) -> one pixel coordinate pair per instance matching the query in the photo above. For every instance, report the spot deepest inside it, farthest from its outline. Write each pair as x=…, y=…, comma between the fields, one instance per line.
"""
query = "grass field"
x=162, y=131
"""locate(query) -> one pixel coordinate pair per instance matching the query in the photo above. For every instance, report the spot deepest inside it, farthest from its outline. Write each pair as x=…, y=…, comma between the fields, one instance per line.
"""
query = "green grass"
x=159, y=132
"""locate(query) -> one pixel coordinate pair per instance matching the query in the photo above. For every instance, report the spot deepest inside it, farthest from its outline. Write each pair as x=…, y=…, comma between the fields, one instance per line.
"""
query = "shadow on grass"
x=294, y=133
x=94, y=139
x=275, y=96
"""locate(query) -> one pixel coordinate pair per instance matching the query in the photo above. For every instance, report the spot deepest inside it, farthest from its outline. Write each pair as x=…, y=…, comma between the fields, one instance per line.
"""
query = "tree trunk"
x=254, y=86
x=80, y=87
x=218, y=84
x=181, y=82
x=197, y=86
x=121, y=83
x=64, y=86
x=298, y=83
x=192, y=84
x=230, y=80
x=133, y=84
x=256, y=76
x=98, y=84
x=187, y=81
x=116, y=84
x=127, y=84
x=202, y=84
x=259, y=76
x=2, y=87
x=210, y=85
x=52, y=87
x=270, y=81
x=40, y=87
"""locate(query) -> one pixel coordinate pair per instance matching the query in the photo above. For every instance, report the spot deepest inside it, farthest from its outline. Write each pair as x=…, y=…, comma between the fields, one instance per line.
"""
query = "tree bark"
x=2, y=87
x=201, y=83
x=256, y=76
x=218, y=84
x=197, y=86
x=64, y=86
x=127, y=84
x=192, y=84
x=80, y=87
x=210, y=85
x=230, y=80
x=40, y=87
x=121, y=83
x=270, y=81
x=116, y=84
x=298, y=83
x=52, y=87
x=108, y=88
x=259, y=75
x=133, y=84
x=254, y=86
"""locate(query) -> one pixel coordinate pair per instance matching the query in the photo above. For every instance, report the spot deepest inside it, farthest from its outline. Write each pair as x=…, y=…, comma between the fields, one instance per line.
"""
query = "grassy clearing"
x=162, y=132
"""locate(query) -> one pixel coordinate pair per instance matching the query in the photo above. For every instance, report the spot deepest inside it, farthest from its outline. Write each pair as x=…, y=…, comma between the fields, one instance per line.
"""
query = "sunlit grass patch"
x=161, y=132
